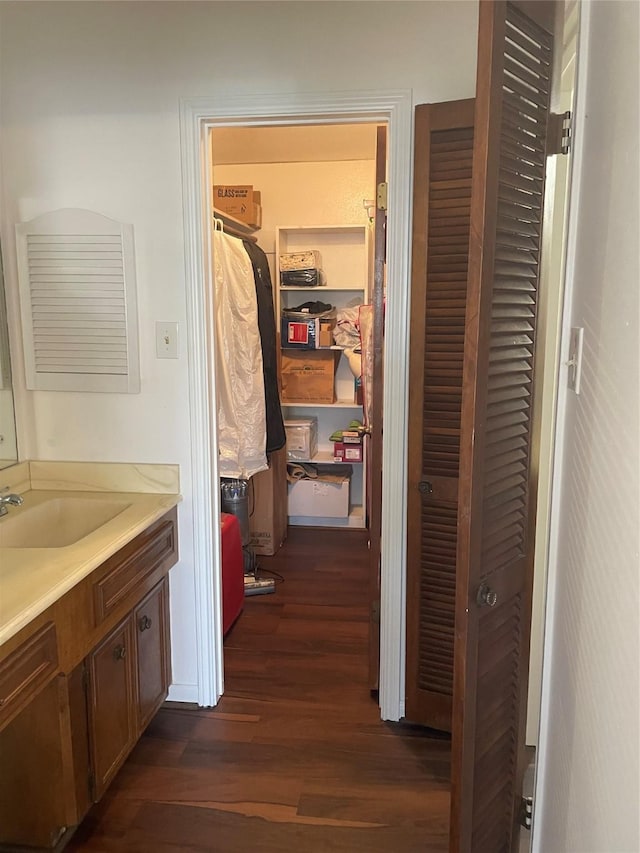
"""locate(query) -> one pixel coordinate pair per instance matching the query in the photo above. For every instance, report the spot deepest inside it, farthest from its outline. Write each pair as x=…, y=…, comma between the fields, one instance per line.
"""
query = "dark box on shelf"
x=314, y=333
x=301, y=278
x=308, y=376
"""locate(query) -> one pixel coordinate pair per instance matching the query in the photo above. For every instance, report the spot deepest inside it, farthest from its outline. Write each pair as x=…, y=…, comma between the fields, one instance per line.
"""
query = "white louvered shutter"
x=78, y=300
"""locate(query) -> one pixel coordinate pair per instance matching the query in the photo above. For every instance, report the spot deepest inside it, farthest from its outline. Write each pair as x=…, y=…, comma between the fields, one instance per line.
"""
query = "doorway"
x=309, y=190
x=197, y=118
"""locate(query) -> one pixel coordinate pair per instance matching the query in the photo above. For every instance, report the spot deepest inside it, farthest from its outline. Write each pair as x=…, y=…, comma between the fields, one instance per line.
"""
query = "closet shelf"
x=236, y=227
x=324, y=457
x=285, y=288
x=342, y=404
x=354, y=520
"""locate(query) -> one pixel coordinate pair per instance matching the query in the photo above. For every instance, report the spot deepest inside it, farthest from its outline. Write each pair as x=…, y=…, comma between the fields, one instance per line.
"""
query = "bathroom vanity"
x=84, y=654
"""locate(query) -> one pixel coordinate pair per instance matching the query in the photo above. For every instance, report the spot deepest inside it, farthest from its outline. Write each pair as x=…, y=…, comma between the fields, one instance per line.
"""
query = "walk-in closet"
x=297, y=305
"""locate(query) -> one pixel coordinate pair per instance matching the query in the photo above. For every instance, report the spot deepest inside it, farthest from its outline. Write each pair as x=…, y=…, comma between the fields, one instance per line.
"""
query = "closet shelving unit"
x=345, y=255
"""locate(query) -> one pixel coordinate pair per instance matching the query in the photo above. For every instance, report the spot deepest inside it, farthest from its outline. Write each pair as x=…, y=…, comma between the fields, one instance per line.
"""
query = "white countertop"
x=32, y=579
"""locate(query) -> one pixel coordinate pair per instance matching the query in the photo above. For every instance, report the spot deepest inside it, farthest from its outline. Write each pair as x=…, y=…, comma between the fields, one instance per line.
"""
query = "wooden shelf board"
x=340, y=404
x=284, y=288
x=350, y=227
x=236, y=224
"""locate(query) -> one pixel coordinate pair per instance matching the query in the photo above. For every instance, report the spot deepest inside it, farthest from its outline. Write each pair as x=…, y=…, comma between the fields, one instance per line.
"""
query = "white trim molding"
x=197, y=117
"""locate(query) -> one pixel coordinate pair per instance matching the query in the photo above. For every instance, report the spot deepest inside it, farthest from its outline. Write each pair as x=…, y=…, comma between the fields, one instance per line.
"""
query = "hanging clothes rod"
x=235, y=227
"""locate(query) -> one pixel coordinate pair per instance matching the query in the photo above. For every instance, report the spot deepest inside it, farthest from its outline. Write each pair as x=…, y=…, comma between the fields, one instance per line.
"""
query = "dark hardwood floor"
x=294, y=757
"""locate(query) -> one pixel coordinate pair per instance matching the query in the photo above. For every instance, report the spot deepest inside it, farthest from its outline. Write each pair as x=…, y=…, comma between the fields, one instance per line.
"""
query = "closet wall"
x=303, y=193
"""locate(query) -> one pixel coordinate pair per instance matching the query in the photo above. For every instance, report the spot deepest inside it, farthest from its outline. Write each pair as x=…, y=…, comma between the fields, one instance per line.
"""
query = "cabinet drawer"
x=130, y=567
x=26, y=671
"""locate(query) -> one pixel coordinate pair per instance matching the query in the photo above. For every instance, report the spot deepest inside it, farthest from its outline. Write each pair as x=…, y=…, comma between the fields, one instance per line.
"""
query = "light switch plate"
x=575, y=358
x=166, y=340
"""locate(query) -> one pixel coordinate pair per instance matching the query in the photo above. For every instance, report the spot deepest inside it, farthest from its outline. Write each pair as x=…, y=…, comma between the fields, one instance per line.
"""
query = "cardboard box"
x=318, y=499
x=256, y=220
x=268, y=506
x=343, y=452
x=302, y=438
x=325, y=332
x=308, y=376
x=239, y=201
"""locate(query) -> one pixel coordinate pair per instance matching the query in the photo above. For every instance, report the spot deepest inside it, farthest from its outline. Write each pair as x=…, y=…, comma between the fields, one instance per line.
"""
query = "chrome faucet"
x=10, y=499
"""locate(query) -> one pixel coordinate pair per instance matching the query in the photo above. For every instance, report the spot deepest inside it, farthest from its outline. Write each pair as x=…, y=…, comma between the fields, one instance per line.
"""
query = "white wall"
x=552, y=270
x=89, y=105
x=320, y=193
x=589, y=750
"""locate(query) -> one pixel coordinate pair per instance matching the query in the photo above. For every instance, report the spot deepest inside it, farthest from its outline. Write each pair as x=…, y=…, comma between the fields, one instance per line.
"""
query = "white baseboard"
x=183, y=693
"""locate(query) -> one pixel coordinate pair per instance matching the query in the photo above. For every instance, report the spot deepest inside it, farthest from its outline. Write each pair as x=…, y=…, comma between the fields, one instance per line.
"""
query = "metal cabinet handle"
x=425, y=487
x=119, y=653
x=486, y=597
x=144, y=623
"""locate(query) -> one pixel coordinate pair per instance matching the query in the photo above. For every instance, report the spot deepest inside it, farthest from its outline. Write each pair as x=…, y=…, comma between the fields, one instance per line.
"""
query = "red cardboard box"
x=347, y=452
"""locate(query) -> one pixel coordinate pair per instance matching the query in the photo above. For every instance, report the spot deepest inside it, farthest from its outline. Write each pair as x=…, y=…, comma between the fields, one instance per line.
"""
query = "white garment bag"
x=242, y=424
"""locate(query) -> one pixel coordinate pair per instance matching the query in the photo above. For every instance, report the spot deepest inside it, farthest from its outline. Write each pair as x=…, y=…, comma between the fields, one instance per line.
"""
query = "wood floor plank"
x=224, y=832
x=295, y=756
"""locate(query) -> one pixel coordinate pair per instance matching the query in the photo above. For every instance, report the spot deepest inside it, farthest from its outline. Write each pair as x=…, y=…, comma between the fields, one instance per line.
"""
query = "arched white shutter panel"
x=76, y=274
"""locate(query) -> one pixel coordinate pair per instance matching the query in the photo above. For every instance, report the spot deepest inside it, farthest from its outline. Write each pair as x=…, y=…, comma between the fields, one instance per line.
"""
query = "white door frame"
x=197, y=116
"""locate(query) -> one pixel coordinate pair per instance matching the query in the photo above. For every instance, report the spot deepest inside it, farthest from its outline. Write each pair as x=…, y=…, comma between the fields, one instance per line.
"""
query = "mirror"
x=8, y=441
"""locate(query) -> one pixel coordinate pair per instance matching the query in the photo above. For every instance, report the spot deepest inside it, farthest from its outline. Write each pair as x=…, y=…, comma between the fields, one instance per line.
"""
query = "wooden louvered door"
x=441, y=209
x=496, y=493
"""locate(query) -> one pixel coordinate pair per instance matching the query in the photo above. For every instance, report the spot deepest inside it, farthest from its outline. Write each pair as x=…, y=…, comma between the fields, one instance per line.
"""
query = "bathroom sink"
x=56, y=522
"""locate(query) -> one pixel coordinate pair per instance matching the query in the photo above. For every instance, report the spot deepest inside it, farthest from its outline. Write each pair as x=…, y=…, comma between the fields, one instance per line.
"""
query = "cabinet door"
x=152, y=643
x=112, y=719
x=36, y=794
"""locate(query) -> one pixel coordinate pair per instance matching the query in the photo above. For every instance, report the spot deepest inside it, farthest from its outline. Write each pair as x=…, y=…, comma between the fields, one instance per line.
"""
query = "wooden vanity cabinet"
x=151, y=627
x=111, y=705
x=128, y=680
x=78, y=687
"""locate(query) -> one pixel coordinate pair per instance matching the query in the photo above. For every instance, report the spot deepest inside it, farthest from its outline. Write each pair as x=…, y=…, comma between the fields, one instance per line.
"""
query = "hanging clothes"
x=276, y=436
x=239, y=367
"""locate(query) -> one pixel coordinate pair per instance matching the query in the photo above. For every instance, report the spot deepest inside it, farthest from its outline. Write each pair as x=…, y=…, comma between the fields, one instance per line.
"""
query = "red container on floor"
x=232, y=570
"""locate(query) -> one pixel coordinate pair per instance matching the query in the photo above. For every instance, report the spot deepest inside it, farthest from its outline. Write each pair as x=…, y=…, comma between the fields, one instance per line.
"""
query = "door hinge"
x=375, y=612
x=560, y=133
x=526, y=812
x=56, y=834
x=381, y=196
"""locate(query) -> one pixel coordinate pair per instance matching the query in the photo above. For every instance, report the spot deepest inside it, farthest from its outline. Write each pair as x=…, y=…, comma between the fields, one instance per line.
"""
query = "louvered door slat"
x=444, y=144
x=77, y=291
x=496, y=508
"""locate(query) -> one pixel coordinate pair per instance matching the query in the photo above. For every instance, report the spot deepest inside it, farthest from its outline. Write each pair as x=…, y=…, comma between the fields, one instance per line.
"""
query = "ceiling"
x=293, y=143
